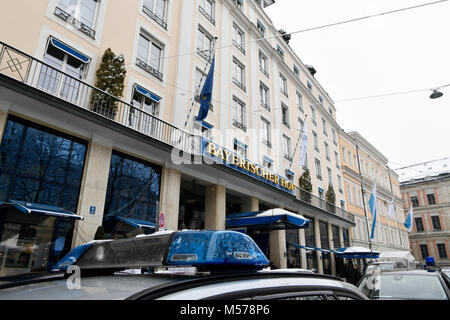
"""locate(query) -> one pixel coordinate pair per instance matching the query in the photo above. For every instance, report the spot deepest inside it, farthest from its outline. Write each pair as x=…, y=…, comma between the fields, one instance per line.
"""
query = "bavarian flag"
x=205, y=95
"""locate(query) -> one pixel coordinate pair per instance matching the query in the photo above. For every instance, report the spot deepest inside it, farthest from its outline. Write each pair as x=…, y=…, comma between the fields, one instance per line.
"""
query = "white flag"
x=409, y=220
x=304, y=146
x=391, y=209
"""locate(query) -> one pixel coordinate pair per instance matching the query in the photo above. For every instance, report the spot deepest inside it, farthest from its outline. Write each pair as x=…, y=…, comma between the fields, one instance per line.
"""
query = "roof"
x=424, y=171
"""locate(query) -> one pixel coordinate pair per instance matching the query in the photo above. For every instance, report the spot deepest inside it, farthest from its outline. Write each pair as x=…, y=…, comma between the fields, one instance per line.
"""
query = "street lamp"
x=436, y=94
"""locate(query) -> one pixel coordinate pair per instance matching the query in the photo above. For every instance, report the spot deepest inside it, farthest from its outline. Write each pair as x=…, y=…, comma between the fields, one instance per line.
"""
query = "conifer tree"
x=305, y=186
x=111, y=79
x=330, y=195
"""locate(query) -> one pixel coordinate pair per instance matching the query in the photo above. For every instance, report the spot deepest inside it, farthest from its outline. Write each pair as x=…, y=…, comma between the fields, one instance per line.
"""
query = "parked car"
x=406, y=284
x=185, y=265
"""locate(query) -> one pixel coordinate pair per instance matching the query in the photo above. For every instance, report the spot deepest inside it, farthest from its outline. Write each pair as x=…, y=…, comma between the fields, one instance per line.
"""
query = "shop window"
x=132, y=193
x=293, y=252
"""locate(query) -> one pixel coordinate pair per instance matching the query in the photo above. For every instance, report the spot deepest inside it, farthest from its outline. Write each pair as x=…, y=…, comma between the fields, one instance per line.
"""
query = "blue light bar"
x=215, y=248
x=72, y=257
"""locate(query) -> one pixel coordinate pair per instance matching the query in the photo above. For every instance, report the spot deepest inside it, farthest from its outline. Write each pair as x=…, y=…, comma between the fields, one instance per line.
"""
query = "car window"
x=403, y=286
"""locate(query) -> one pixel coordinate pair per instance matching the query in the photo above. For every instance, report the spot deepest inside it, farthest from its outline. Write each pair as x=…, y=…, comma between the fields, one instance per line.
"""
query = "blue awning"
x=273, y=219
x=148, y=94
x=136, y=223
x=29, y=208
x=69, y=50
x=357, y=253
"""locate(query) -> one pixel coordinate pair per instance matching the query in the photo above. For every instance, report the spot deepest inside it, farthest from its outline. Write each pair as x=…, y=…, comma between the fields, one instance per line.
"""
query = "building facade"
x=426, y=188
x=363, y=166
x=115, y=160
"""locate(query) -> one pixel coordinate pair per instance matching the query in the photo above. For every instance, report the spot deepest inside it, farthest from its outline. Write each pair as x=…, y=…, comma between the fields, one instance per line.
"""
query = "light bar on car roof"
x=206, y=249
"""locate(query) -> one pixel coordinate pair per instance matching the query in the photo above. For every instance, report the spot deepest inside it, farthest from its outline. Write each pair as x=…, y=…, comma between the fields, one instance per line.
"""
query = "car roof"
x=411, y=272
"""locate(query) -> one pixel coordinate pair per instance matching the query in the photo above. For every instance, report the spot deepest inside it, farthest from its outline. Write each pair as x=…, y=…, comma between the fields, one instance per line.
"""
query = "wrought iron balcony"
x=154, y=16
x=141, y=64
x=67, y=17
x=41, y=76
x=207, y=15
x=288, y=157
x=239, y=46
x=240, y=125
x=205, y=54
x=267, y=143
x=264, y=71
x=239, y=84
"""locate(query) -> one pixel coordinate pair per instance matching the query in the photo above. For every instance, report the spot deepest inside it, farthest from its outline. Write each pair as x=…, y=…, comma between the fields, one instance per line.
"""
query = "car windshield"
x=403, y=286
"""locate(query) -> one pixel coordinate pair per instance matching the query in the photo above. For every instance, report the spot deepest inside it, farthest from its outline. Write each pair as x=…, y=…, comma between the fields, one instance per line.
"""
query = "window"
x=415, y=201
x=261, y=27
x=56, y=83
x=340, y=184
x=206, y=7
x=264, y=95
x=424, y=251
x=313, y=115
x=296, y=71
x=299, y=101
x=327, y=151
x=321, y=196
x=285, y=115
x=265, y=126
x=320, y=99
x=442, y=250
x=132, y=192
x=267, y=162
x=330, y=177
x=238, y=74
x=350, y=200
x=83, y=13
x=156, y=9
x=419, y=224
x=204, y=45
x=238, y=114
x=309, y=85
x=280, y=51
x=287, y=148
x=316, y=141
x=283, y=85
x=147, y=102
x=336, y=156
x=350, y=158
x=263, y=64
x=300, y=124
x=334, y=136
x=238, y=38
x=203, y=129
x=344, y=155
x=318, y=169
x=436, y=222
x=431, y=199
x=240, y=148
x=149, y=56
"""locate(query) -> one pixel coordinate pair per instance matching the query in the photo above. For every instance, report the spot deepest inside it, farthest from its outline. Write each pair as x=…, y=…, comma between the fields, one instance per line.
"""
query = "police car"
x=183, y=265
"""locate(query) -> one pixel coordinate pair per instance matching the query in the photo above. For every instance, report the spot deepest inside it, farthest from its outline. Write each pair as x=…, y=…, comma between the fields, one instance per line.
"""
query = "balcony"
x=288, y=157
x=239, y=125
x=267, y=143
x=67, y=17
x=84, y=98
x=239, y=84
x=141, y=64
x=154, y=16
x=239, y=46
x=206, y=15
x=205, y=54
x=264, y=71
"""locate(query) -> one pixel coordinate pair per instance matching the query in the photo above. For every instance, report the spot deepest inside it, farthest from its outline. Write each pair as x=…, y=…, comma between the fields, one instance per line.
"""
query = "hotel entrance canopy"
x=34, y=208
x=273, y=219
x=357, y=253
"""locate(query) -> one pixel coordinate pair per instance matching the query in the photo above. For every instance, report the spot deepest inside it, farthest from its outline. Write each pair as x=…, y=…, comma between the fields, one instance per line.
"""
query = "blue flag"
x=409, y=220
x=373, y=209
x=205, y=95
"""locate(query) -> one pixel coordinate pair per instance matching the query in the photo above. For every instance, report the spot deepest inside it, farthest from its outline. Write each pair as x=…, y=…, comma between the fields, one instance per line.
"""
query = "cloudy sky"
x=404, y=51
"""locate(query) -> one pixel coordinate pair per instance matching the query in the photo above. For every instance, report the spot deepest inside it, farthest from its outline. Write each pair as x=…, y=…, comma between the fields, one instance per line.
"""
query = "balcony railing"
x=205, y=54
x=154, y=16
x=141, y=64
x=240, y=125
x=67, y=17
x=239, y=84
x=34, y=73
x=207, y=15
x=239, y=46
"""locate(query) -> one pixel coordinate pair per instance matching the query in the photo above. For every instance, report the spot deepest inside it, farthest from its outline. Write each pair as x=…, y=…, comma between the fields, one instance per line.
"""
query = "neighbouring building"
x=363, y=166
x=110, y=160
x=426, y=188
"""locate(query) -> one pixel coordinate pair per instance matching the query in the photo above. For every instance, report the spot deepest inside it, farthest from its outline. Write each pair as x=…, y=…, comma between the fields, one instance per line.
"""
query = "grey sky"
x=399, y=52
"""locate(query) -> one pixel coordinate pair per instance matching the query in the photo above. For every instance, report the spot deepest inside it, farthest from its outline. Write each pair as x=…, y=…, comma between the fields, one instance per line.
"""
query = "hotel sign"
x=232, y=160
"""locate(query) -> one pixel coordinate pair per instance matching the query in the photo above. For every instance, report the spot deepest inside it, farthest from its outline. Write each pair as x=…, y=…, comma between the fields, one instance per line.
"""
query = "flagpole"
x=396, y=217
x=363, y=200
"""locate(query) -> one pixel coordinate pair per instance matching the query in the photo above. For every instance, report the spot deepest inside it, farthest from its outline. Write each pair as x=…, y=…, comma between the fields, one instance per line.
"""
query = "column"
x=331, y=246
x=215, y=206
x=341, y=237
x=301, y=237
x=318, y=245
x=170, y=197
x=278, y=253
x=250, y=204
x=3, y=120
x=93, y=191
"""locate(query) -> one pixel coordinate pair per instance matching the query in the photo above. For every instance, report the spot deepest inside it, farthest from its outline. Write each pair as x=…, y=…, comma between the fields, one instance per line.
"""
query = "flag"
x=391, y=209
x=304, y=145
x=205, y=95
x=373, y=209
x=409, y=220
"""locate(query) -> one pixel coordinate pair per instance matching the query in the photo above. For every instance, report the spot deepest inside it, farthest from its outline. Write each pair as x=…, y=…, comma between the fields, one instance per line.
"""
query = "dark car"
x=185, y=265
x=406, y=284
